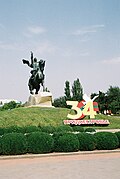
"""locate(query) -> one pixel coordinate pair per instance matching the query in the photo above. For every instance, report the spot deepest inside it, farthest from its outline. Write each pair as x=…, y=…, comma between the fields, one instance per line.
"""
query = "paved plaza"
x=84, y=166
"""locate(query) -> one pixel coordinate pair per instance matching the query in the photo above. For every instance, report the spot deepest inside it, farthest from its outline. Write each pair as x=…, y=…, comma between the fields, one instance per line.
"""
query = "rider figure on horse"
x=37, y=68
x=35, y=65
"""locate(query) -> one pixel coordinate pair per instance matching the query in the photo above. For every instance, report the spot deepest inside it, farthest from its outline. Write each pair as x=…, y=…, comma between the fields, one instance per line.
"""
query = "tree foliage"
x=113, y=99
x=102, y=102
x=109, y=100
x=74, y=94
x=77, y=91
x=60, y=102
x=67, y=90
x=10, y=105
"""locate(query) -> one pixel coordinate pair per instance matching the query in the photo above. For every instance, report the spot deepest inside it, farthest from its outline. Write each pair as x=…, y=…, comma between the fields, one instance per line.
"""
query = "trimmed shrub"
x=106, y=140
x=86, y=142
x=12, y=129
x=17, y=129
x=65, y=142
x=56, y=136
x=48, y=129
x=90, y=129
x=1, y=131
x=13, y=144
x=64, y=128
x=78, y=129
x=0, y=145
x=40, y=142
x=118, y=136
x=30, y=129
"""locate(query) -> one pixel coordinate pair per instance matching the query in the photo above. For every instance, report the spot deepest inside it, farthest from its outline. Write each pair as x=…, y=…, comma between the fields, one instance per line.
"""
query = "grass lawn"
x=45, y=116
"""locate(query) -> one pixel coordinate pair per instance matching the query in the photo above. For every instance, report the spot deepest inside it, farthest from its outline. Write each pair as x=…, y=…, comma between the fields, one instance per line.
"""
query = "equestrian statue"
x=37, y=76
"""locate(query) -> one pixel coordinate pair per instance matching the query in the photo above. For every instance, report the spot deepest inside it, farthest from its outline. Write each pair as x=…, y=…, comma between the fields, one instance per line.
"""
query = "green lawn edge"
x=37, y=116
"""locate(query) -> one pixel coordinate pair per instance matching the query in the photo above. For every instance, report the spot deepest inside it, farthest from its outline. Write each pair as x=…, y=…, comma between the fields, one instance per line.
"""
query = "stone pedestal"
x=43, y=99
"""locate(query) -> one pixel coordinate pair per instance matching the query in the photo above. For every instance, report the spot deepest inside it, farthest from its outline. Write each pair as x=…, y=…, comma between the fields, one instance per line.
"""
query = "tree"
x=113, y=99
x=109, y=100
x=102, y=102
x=67, y=90
x=10, y=105
x=77, y=94
x=60, y=102
x=93, y=95
x=77, y=91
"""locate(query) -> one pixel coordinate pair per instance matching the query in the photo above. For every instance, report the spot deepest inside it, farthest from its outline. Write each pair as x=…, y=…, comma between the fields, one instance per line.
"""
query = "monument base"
x=43, y=99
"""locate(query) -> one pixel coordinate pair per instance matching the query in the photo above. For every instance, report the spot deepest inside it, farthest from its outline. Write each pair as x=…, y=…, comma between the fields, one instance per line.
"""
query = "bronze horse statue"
x=37, y=77
x=36, y=81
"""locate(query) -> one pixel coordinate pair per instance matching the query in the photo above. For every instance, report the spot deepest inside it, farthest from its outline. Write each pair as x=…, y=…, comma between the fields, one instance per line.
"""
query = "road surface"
x=88, y=166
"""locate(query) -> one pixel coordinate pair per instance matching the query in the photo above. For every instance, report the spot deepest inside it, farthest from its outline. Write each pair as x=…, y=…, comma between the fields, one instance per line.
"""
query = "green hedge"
x=0, y=145
x=30, y=129
x=13, y=144
x=118, y=136
x=78, y=129
x=1, y=131
x=40, y=142
x=17, y=129
x=87, y=142
x=90, y=129
x=48, y=129
x=106, y=140
x=13, y=129
x=64, y=128
x=65, y=142
x=56, y=136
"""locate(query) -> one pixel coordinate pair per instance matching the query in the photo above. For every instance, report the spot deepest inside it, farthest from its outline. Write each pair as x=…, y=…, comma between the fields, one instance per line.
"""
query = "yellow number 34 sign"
x=84, y=108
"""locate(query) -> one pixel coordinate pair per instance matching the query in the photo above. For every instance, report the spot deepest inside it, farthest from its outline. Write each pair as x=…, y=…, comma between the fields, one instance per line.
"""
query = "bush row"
x=18, y=143
x=41, y=142
x=47, y=129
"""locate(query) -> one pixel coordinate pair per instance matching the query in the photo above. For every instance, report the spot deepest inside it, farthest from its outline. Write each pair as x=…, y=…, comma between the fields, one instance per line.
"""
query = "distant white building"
x=3, y=101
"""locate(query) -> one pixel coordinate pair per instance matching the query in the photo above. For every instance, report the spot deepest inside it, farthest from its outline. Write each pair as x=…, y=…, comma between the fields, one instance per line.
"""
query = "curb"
x=32, y=156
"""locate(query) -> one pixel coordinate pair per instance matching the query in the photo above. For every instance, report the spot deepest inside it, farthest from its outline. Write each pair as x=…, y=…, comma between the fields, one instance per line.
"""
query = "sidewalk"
x=78, y=166
x=108, y=130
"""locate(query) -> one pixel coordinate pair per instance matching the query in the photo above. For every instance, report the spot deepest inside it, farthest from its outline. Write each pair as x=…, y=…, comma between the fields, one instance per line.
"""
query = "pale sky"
x=77, y=38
